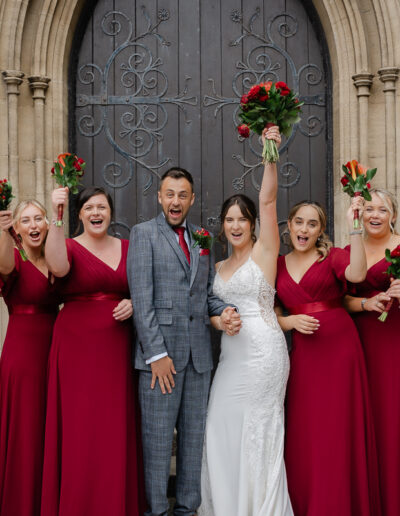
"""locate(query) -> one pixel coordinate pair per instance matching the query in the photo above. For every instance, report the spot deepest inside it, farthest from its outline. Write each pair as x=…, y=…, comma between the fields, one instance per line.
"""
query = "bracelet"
x=363, y=301
x=57, y=223
x=356, y=232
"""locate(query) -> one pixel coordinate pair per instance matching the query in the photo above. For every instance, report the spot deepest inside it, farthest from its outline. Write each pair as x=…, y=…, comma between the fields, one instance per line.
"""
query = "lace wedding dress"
x=243, y=472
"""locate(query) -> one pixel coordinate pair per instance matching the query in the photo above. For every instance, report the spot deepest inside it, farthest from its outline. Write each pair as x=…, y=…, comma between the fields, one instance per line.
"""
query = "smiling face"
x=32, y=226
x=95, y=215
x=176, y=197
x=305, y=228
x=377, y=216
x=237, y=227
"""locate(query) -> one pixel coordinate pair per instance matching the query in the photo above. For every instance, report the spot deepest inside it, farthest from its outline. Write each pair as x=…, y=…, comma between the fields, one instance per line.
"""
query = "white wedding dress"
x=243, y=472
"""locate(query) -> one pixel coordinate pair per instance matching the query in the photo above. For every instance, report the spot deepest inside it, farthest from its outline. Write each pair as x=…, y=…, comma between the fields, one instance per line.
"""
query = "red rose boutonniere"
x=204, y=240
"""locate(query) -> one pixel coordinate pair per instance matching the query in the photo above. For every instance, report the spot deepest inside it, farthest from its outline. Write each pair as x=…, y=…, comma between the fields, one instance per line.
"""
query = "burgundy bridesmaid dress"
x=381, y=344
x=330, y=449
x=92, y=461
x=23, y=372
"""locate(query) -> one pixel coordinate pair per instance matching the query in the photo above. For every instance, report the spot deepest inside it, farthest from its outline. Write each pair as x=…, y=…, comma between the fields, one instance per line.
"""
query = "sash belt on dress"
x=93, y=296
x=32, y=309
x=317, y=306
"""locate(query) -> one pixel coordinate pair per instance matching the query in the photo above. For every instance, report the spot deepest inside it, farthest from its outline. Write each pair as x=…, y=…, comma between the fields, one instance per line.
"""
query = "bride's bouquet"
x=394, y=271
x=5, y=199
x=356, y=182
x=67, y=171
x=267, y=104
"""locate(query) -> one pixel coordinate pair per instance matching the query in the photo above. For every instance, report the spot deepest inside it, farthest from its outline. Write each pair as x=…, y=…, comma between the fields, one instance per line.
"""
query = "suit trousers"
x=184, y=409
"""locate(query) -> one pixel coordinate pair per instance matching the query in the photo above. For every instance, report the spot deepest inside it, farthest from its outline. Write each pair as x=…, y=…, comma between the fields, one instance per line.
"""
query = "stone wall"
x=35, y=42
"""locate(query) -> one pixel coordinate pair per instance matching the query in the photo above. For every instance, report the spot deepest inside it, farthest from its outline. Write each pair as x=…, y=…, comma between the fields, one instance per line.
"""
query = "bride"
x=243, y=472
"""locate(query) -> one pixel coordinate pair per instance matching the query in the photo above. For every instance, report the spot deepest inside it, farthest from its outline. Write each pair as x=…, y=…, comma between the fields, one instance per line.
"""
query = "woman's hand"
x=59, y=197
x=305, y=324
x=230, y=321
x=377, y=303
x=394, y=289
x=357, y=203
x=6, y=220
x=272, y=133
x=123, y=310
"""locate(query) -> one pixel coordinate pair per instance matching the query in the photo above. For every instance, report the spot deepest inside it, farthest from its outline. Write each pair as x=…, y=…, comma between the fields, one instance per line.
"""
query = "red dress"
x=23, y=372
x=381, y=343
x=91, y=462
x=330, y=452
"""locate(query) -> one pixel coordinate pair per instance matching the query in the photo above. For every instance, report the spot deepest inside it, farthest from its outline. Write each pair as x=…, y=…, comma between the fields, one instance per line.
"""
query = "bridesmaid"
x=330, y=449
x=23, y=366
x=381, y=340
x=91, y=461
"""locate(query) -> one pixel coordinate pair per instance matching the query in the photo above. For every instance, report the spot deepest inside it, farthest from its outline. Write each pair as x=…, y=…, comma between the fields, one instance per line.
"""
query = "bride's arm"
x=267, y=247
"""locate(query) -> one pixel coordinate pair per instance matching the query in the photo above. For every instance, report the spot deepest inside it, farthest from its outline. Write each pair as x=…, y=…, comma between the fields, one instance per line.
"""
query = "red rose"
x=244, y=99
x=396, y=252
x=77, y=167
x=368, y=185
x=244, y=130
x=204, y=252
x=344, y=180
x=3, y=196
x=254, y=92
x=53, y=171
x=80, y=161
x=283, y=88
x=205, y=232
x=263, y=98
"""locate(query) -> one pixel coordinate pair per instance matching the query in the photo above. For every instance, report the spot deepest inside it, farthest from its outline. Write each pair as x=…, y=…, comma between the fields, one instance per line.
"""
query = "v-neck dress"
x=92, y=462
x=330, y=449
x=381, y=344
x=32, y=306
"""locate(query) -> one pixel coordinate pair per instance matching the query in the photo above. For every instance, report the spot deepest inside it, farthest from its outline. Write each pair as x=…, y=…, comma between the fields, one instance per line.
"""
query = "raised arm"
x=357, y=269
x=267, y=247
x=7, y=260
x=55, y=248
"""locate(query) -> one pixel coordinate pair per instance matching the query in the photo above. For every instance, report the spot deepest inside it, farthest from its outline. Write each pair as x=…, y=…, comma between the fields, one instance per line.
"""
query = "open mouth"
x=374, y=223
x=236, y=235
x=175, y=213
x=34, y=235
x=302, y=239
x=96, y=222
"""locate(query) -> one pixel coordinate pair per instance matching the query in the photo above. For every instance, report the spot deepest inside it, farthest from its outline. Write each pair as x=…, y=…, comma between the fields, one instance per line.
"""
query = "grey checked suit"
x=172, y=304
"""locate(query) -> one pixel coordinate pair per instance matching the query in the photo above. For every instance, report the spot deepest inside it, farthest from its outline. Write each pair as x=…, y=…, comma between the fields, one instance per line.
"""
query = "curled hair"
x=390, y=202
x=323, y=243
x=248, y=210
x=178, y=173
x=24, y=204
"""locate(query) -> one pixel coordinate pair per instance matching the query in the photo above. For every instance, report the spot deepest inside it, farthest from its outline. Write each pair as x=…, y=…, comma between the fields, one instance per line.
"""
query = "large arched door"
x=159, y=84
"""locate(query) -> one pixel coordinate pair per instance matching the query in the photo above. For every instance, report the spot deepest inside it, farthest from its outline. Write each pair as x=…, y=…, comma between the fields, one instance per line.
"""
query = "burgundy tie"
x=182, y=242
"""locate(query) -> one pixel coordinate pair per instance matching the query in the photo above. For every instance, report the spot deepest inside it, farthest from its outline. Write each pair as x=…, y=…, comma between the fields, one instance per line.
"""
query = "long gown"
x=330, y=451
x=32, y=307
x=243, y=472
x=92, y=462
x=381, y=344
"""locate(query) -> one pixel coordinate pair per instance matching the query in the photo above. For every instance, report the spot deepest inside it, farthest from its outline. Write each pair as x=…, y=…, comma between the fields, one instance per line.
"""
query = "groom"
x=171, y=287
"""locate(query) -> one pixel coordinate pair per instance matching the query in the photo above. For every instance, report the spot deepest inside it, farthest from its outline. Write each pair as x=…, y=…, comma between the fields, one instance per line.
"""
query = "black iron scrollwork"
x=264, y=63
x=141, y=113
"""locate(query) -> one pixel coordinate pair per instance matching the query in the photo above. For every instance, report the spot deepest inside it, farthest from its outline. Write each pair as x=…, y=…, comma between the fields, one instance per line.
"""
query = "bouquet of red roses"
x=394, y=271
x=5, y=199
x=268, y=104
x=67, y=171
x=356, y=183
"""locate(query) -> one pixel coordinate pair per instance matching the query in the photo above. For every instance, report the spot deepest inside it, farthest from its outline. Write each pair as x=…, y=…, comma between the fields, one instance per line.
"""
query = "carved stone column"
x=389, y=77
x=39, y=85
x=363, y=82
x=13, y=79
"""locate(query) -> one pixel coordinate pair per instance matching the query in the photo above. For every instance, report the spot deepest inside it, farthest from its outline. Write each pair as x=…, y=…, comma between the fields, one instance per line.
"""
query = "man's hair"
x=177, y=173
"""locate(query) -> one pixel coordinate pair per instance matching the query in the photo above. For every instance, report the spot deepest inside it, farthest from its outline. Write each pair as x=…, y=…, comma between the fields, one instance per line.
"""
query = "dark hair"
x=85, y=194
x=177, y=173
x=248, y=209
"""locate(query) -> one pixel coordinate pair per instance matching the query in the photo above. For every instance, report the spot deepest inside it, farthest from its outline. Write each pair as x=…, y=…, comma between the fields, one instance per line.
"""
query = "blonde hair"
x=323, y=243
x=390, y=202
x=24, y=204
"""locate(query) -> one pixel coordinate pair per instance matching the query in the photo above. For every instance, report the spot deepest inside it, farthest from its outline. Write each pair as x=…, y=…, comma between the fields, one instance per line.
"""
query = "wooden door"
x=158, y=83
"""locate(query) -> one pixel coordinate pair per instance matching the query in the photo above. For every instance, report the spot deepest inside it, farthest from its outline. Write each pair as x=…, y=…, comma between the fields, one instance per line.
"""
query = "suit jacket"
x=172, y=301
